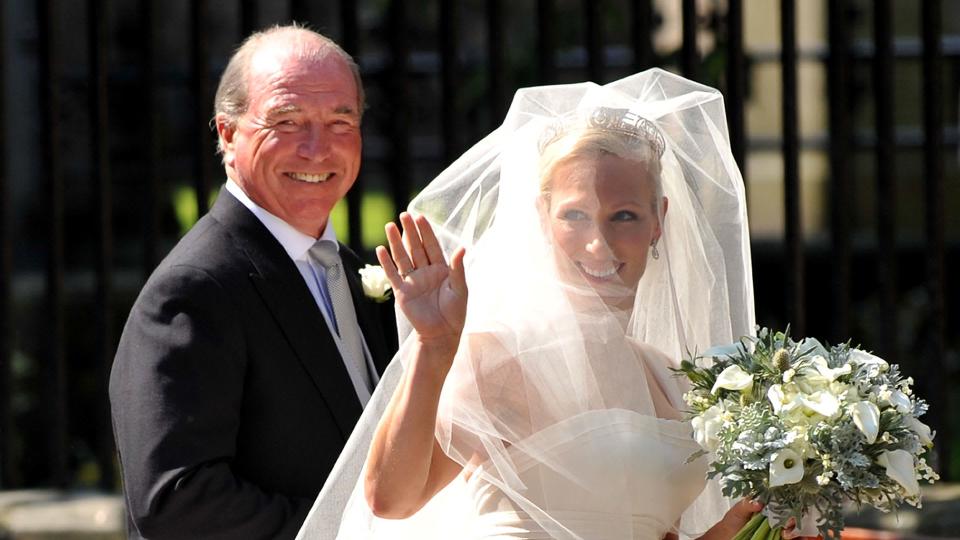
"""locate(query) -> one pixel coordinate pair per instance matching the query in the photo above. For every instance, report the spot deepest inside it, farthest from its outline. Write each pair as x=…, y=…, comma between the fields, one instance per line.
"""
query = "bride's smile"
x=603, y=219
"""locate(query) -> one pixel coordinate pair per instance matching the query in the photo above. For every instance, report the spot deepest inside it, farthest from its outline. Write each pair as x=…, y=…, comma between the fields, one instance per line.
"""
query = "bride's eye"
x=624, y=215
x=573, y=215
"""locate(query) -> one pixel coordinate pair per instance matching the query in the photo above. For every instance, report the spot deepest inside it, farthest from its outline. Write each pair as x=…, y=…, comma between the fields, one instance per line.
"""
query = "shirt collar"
x=294, y=242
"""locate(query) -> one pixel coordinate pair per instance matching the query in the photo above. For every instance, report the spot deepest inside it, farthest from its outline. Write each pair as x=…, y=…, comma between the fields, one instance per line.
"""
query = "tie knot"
x=325, y=253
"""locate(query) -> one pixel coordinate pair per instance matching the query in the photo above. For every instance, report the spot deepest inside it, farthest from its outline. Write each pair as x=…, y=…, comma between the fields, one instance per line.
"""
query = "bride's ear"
x=662, y=216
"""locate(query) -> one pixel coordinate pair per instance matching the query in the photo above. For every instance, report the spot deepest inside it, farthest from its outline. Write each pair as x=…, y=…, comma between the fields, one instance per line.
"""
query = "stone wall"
x=52, y=514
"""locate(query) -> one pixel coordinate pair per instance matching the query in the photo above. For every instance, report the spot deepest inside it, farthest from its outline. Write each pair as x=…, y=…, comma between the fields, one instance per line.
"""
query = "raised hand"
x=431, y=293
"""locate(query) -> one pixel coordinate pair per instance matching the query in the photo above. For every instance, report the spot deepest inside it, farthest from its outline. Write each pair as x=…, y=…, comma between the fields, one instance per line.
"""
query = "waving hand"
x=431, y=293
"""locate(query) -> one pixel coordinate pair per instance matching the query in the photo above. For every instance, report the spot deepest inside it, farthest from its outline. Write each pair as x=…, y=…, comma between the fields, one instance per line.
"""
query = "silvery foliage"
x=839, y=464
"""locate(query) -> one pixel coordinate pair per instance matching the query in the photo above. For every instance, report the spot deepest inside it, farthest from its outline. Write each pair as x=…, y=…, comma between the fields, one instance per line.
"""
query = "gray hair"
x=232, y=98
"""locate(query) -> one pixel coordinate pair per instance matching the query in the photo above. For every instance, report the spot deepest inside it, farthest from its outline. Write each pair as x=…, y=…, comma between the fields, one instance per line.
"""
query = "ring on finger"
x=403, y=275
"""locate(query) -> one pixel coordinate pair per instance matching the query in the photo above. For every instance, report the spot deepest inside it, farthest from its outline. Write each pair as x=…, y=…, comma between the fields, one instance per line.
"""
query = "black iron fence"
x=108, y=156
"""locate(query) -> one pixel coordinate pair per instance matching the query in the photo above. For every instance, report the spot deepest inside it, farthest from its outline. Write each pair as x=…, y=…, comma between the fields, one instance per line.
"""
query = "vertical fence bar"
x=151, y=200
x=838, y=70
x=689, y=57
x=200, y=84
x=248, y=17
x=935, y=223
x=54, y=369
x=545, y=42
x=735, y=94
x=299, y=12
x=398, y=122
x=642, y=25
x=97, y=44
x=883, y=64
x=496, y=67
x=593, y=23
x=350, y=42
x=793, y=226
x=449, y=28
x=7, y=468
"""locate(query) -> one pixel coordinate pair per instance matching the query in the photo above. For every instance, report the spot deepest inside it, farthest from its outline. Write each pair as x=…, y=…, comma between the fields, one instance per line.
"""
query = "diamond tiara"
x=629, y=123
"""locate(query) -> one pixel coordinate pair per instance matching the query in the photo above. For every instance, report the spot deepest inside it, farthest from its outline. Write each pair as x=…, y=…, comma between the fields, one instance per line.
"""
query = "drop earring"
x=655, y=253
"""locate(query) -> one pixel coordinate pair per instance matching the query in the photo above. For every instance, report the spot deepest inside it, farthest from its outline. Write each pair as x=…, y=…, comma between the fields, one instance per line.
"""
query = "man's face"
x=296, y=151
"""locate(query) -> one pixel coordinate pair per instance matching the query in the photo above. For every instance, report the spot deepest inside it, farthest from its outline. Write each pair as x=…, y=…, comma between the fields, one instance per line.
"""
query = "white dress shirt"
x=297, y=244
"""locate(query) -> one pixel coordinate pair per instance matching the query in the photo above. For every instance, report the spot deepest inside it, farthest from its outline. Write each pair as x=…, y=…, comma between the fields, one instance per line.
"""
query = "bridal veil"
x=551, y=404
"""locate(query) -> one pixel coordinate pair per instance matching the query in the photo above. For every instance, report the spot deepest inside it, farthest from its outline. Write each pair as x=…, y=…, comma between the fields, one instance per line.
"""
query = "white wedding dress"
x=639, y=480
x=553, y=400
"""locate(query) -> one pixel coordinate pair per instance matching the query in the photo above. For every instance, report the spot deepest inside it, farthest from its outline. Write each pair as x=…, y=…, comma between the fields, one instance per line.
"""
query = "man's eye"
x=341, y=125
x=624, y=215
x=284, y=125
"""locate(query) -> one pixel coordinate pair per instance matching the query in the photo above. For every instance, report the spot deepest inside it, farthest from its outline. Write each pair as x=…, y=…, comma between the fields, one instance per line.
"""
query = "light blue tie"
x=324, y=252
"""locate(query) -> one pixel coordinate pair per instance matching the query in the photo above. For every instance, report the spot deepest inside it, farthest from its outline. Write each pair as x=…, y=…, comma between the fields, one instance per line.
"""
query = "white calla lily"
x=786, y=468
x=899, y=465
x=922, y=430
x=777, y=397
x=820, y=364
x=866, y=416
x=900, y=401
x=821, y=402
x=733, y=378
x=864, y=358
x=706, y=427
x=781, y=399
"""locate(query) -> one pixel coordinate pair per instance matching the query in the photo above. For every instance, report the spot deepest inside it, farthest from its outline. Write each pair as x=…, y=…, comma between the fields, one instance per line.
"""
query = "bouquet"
x=803, y=428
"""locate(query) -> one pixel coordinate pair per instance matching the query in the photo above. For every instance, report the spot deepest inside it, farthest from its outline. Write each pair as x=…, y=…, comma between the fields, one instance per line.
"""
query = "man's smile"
x=309, y=178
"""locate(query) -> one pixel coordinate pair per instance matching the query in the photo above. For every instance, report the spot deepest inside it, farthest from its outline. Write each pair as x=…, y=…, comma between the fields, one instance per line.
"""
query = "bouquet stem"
x=758, y=528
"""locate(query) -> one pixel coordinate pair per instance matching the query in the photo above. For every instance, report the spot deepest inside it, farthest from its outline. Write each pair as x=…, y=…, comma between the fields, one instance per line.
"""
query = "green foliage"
x=375, y=211
x=788, y=425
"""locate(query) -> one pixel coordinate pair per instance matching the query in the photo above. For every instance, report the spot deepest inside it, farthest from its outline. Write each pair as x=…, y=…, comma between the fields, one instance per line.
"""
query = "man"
x=248, y=355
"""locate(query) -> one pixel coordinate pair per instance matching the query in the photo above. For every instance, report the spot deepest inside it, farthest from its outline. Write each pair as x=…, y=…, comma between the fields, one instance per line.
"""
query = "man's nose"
x=315, y=145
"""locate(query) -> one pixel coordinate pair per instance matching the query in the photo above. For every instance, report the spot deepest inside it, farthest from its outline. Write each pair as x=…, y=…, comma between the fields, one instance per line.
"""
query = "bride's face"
x=602, y=219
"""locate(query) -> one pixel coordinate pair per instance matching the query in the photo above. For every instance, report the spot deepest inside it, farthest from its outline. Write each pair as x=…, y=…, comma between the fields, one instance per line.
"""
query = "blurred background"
x=843, y=115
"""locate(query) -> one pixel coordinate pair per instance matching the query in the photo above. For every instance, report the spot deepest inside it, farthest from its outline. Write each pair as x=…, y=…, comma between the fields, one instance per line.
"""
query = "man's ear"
x=226, y=131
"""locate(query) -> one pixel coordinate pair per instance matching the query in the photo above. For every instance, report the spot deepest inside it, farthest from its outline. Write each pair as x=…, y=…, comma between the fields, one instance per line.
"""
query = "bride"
x=602, y=234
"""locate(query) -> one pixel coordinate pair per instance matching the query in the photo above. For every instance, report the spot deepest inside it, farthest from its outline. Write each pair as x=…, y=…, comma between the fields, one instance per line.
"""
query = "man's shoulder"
x=207, y=245
x=213, y=249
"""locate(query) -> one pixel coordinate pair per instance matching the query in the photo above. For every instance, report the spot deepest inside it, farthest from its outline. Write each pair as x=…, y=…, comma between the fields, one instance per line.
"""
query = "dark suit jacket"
x=230, y=401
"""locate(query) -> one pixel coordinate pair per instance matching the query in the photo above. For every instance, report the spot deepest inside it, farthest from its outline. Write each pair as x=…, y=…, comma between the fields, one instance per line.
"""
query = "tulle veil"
x=538, y=356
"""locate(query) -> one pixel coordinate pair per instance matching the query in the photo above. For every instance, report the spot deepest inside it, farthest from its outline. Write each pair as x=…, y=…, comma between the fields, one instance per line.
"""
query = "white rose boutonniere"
x=375, y=283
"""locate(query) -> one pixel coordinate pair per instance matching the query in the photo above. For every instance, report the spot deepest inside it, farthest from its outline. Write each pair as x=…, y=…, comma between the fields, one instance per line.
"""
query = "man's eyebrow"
x=345, y=109
x=282, y=109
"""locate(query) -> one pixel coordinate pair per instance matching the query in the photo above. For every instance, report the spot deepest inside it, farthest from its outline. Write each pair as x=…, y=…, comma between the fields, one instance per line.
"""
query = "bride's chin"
x=592, y=296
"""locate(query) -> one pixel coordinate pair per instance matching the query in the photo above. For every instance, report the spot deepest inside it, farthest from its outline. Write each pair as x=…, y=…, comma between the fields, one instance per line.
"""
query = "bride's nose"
x=597, y=245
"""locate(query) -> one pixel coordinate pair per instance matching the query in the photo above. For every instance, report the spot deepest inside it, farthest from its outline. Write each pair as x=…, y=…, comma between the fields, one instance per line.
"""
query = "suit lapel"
x=289, y=301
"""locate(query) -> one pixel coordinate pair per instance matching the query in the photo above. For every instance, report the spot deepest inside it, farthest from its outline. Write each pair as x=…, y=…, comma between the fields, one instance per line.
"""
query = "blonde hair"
x=592, y=142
